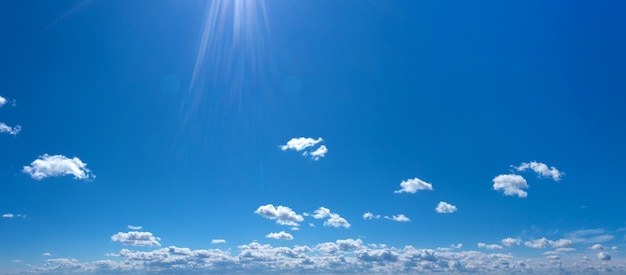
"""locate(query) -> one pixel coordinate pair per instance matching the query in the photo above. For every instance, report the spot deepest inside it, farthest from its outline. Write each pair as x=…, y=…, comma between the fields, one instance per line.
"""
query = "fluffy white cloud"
x=57, y=165
x=218, y=241
x=282, y=235
x=370, y=216
x=334, y=220
x=511, y=242
x=489, y=246
x=136, y=238
x=597, y=247
x=543, y=243
x=414, y=185
x=604, y=256
x=511, y=185
x=134, y=227
x=541, y=169
x=282, y=214
x=398, y=218
x=318, y=153
x=300, y=143
x=10, y=130
x=444, y=207
x=2, y=101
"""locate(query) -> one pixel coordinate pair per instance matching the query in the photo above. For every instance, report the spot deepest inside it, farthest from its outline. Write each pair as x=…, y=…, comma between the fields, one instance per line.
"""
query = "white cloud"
x=319, y=153
x=282, y=214
x=57, y=165
x=541, y=169
x=614, y=248
x=10, y=130
x=398, y=218
x=489, y=246
x=46, y=254
x=444, y=207
x=134, y=227
x=589, y=236
x=597, y=247
x=300, y=143
x=543, y=243
x=511, y=184
x=457, y=246
x=604, y=256
x=11, y=215
x=136, y=238
x=414, y=185
x=370, y=216
x=218, y=241
x=282, y=235
x=295, y=228
x=2, y=101
x=511, y=242
x=334, y=220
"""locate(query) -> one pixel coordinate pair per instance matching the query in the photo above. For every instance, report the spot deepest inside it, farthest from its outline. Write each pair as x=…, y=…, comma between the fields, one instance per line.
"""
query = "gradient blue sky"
x=177, y=111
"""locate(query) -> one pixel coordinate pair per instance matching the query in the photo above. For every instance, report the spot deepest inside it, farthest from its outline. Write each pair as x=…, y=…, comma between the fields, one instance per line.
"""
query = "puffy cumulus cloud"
x=282, y=235
x=398, y=218
x=597, y=235
x=134, y=227
x=489, y=246
x=57, y=165
x=511, y=185
x=597, y=247
x=333, y=219
x=2, y=101
x=10, y=130
x=218, y=241
x=282, y=214
x=300, y=143
x=343, y=256
x=511, y=242
x=136, y=238
x=413, y=185
x=444, y=207
x=543, y=243
x=370, y=216
x=541, y=169
x=318, y=153
x=604, y=256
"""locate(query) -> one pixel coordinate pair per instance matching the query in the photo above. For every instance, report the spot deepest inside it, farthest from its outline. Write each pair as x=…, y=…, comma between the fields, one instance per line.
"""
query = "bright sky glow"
x=312, y=137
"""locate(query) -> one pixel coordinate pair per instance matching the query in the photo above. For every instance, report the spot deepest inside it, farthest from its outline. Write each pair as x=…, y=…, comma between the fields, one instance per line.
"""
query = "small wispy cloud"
x=11, y=215
x=511, y=185
x=541, y=169
x=444, y=208
x=46, y=254
x=489, y=246
x=10, y=130
x=511, y=242
x=543, y=243
x=218, y=241
x=370, y=216
x=597, y=235
x=282, y=235
x=134, y=227
x=58, y=165
x=413, y=185
x=334, y=220
x=398, y=218
x=136, y=238
x=318, y=153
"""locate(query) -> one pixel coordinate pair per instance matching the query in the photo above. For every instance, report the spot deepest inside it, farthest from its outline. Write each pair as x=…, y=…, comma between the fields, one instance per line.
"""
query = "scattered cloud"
x=282, y=214
x=57, y=165
x=457, y=246
x=282, y=235
x=444, y=207
x=300, y=143
x=597, y=247
x=370, y=216
x=541, y=169
x=398, y=218
x=414, y=185
x=543, y=243
x=218, y=241
x=334, y=220
x=10, y=130
x=11, y=215
x=511, y=185
x=2, y=101
x=46, y=254
x=17, y=261
x=511, y=242
x=136, y=238
x=597, y=235
x=134, y=227
x=295, y=228
x=604, y=256
x=318, y=153
x=489, y=246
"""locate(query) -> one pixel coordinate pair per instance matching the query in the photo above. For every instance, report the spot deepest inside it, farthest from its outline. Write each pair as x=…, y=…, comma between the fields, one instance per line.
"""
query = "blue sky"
x=312, y=136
